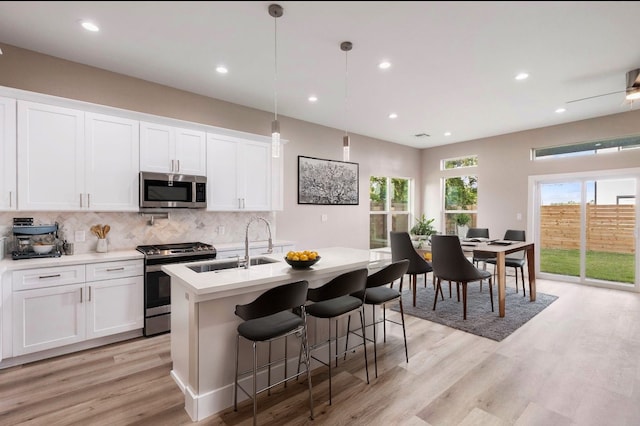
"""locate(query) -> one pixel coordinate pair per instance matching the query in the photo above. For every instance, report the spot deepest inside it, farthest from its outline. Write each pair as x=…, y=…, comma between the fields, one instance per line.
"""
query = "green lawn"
x=616, y=267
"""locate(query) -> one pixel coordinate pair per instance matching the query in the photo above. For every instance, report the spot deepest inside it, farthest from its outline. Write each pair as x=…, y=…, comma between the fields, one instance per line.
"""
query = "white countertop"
x=223, y=282
x=9, y=264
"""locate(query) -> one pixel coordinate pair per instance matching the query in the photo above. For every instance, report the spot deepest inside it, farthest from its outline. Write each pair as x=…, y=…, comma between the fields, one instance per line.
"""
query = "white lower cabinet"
x=49, y=312
x=114, y=306
x=47, y=318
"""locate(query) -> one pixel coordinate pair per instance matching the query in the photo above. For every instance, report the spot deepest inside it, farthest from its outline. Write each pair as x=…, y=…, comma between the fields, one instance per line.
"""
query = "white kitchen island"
x=203, y=323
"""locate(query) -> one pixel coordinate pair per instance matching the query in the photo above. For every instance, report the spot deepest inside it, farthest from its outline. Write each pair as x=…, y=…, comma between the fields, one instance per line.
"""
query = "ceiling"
x=453, y=63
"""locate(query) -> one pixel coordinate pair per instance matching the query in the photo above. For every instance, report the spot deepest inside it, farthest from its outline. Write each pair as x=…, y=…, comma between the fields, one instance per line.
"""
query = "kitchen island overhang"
x=203, y=323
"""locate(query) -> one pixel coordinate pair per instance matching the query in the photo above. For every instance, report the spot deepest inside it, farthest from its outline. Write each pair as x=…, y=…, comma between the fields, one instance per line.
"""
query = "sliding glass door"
x=610, y=230
x=586, y=229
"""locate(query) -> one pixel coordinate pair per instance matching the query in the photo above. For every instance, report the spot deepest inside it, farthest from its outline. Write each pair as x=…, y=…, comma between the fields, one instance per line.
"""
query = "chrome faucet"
x=246, y=239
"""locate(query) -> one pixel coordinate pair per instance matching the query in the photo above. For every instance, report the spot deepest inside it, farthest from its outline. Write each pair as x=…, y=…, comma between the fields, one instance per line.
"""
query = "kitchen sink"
x=229, y=264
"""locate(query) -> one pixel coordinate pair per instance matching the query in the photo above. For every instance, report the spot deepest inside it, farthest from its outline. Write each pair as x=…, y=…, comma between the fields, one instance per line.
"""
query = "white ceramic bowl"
x=42, y=248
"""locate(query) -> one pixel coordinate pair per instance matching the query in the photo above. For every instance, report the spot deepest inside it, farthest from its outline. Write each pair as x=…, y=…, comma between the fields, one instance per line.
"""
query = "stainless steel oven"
x=157, y=284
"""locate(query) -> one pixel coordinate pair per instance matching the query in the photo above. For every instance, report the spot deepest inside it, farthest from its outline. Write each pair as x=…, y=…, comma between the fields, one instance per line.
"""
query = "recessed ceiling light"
x=560, y=110
x=313, y=98
x=384, y=65
x=393, y=115
x=522, y=76
x=89, y=26
x=447, y=133
x=222, y=69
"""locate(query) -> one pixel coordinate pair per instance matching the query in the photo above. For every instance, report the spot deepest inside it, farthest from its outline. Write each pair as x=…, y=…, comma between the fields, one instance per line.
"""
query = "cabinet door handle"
x=243, y=204
x=88, y=200
x=115, y=269
x=173, y=165
x=89, y=294
x=178, y=163
x=81, y=199
x=42, y=277
x=80, y=294
x=10, y=199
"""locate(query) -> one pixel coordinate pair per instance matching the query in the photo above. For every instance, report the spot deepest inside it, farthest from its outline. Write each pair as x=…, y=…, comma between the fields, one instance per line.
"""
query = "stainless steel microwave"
x=168, y=190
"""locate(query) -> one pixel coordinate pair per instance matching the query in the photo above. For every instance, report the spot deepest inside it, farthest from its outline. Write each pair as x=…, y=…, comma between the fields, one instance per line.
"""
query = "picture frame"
x=327, y=182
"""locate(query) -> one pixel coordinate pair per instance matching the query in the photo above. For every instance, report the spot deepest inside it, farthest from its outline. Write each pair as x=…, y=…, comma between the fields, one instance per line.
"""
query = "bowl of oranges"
x=302, y=259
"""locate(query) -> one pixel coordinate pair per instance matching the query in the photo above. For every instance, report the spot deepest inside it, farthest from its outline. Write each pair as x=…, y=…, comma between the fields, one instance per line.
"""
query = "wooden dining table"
x=500, y=251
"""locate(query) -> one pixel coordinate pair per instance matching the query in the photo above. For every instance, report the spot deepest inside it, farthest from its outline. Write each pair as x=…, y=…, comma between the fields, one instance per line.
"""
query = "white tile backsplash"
x=129, y=230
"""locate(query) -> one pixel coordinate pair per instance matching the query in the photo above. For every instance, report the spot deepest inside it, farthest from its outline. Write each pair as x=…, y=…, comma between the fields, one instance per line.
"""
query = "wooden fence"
x=610, y=228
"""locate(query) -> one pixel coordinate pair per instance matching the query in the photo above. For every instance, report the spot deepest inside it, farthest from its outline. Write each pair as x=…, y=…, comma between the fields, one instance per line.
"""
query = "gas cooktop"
x=176, y=250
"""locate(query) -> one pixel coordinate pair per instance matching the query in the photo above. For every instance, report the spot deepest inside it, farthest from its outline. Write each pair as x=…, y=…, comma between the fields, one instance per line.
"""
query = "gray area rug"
x=480, y=320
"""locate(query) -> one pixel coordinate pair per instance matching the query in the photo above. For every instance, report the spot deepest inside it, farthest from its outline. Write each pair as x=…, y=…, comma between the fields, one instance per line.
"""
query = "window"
x=460, y=195
x=587, y=148
x=390, y=205
x=457, y=163
x=460, y=204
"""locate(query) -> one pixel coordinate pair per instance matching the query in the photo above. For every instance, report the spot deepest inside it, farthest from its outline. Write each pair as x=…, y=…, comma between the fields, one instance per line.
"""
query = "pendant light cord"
x=275, y=67
x=346, y=89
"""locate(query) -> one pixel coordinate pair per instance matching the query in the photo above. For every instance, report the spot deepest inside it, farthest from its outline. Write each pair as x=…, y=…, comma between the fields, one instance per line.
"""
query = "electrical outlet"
x=221, y=230
x=79, y=236
x=519, y=216
x=323, y=218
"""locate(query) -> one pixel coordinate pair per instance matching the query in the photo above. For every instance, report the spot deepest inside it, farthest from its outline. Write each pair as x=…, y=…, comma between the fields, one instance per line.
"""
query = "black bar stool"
x=377, y=294
x=333, y=300
x=271, y=317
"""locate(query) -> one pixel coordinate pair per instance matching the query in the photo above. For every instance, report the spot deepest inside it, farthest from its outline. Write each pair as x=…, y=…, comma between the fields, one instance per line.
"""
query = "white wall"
x=504, y=165
x=346, y=225
x=504, y=161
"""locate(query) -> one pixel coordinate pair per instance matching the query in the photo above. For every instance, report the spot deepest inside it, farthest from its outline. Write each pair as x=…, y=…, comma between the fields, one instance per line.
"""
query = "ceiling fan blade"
x=596, y=96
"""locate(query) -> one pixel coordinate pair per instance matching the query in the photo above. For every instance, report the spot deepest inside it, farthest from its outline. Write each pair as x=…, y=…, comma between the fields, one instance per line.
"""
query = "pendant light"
x=346, y=46
x=276, y=11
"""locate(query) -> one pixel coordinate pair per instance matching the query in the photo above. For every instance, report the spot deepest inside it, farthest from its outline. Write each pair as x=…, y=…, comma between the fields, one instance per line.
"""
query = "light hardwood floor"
x=576, y=363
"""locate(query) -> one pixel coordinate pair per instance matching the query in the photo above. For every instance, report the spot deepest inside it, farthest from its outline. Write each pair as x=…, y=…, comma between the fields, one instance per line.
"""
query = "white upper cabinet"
x=239, y=174
x=69, y=160
x=167, y=149
x=112, y=162
x=191, y=152
x=8, y=186
x=50, y=158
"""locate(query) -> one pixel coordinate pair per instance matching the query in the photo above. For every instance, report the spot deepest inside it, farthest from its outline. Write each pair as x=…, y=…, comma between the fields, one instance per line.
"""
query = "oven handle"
x=153, y=268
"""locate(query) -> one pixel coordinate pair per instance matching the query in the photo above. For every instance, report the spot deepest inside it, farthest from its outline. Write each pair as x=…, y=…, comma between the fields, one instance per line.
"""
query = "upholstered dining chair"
x=479, y=233
x=402, y=248
x=450, y=264
x=515, y=260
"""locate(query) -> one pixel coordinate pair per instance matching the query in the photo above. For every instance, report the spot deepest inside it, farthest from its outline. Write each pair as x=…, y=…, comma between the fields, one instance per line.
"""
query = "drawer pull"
x=115, y=269
x=49, y=276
